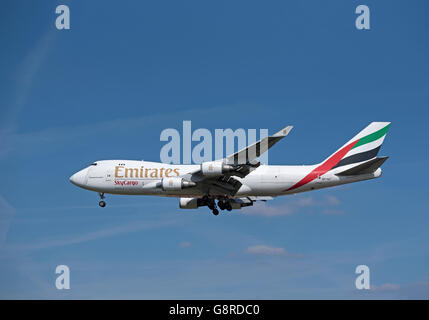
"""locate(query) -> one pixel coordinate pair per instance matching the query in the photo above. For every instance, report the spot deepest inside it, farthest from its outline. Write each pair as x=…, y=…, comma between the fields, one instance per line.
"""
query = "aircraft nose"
x=79, y=178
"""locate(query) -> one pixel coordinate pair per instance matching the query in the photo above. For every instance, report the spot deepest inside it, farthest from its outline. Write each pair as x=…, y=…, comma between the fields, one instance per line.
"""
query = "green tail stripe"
x=372, y=137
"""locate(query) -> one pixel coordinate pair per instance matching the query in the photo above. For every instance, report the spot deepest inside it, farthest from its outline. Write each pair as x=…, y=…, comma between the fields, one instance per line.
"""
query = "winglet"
x=283, y=132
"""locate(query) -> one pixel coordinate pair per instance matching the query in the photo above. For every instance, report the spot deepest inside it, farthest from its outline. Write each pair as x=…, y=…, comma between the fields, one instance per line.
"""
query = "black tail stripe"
x=358, y=157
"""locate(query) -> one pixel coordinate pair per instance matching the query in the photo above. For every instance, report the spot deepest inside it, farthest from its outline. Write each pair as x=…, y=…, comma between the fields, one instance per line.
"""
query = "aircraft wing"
x=223, y=185
x=250, y=153
x=239, y=164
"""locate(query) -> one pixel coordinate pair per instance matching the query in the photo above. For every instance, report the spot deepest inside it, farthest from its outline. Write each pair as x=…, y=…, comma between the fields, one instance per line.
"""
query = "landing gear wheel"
x=215, y=212
x=228, y=206
x=221, y=205
x=101, y=203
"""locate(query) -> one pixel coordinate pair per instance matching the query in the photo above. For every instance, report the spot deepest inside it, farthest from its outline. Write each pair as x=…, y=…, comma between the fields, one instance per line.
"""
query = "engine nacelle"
x=194, y=203
x=215, y=168
x=175, y=184
x=235, y=203
x=189, y=203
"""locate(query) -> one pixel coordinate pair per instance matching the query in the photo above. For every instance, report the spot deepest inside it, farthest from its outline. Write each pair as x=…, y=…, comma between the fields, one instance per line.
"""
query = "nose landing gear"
x=102, y=203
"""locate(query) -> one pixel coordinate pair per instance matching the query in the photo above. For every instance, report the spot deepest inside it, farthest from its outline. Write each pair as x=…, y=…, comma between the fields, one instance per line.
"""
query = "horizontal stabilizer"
x=364, y=168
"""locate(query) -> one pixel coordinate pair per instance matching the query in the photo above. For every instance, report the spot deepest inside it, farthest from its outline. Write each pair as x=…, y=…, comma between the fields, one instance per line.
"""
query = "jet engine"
x=175, y=184
x=224, y=204
x=215, y=168
x=233, y=204
x=190, y=203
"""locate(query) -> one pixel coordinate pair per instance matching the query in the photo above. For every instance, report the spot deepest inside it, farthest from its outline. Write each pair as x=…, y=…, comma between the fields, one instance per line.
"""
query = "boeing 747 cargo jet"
x=238, y=180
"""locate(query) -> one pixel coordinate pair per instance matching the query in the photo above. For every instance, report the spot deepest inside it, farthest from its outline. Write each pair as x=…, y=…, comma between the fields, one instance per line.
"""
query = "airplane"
x=238, y=180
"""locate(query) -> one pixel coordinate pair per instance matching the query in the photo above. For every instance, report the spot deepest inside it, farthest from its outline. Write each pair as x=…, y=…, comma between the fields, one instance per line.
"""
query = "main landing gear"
x=212, y=206
x=223, y=204
x=210, y=203
x=102, y=203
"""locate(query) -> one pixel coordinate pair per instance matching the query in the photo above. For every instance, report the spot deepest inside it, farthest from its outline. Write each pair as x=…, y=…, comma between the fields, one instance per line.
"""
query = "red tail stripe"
x=325, y=166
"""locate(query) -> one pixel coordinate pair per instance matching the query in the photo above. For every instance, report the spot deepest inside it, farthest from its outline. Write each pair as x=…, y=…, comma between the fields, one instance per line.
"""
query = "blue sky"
x=124, y=72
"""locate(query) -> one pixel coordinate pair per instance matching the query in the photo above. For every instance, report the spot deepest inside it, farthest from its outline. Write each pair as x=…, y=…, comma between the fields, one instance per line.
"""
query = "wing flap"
x=224, y=185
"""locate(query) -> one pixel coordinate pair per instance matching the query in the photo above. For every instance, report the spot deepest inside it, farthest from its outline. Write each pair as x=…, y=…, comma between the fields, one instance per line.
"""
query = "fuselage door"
x=109, y=175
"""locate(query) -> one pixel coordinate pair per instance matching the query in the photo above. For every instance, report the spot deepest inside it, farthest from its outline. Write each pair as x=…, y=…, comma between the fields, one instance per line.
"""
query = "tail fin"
x=362, y=147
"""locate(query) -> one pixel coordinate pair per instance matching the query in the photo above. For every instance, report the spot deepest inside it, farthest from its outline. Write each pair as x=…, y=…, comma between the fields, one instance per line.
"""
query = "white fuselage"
x=131, y=177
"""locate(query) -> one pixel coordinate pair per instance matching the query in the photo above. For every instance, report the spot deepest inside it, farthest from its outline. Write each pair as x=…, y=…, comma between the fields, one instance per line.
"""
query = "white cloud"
x=415, y=290
x=48, y=139
x=388, y=287
x=294, y=205
x=266, y=250
x=262, y=209
x=331, y=200
x=333, y=211
x=25, y=77
x=185, y=244
x=93, y=235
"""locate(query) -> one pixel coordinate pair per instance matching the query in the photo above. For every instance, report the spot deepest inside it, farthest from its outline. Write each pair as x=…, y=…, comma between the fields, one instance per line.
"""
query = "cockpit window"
x=94, y=164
